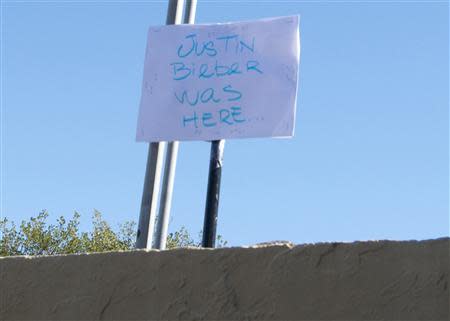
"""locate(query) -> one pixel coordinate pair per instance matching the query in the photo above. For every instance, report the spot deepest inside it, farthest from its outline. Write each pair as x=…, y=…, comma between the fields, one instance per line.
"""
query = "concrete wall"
x=339, y=281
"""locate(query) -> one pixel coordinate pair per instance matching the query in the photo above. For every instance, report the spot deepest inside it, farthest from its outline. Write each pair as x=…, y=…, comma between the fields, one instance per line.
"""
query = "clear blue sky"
x=370, y=158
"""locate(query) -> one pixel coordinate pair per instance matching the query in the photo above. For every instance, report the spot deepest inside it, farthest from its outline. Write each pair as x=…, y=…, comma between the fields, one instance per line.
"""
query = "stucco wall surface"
x=381, y=280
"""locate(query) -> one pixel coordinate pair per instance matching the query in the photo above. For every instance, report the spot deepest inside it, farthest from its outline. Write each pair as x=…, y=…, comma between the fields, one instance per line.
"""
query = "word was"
x=208, y=95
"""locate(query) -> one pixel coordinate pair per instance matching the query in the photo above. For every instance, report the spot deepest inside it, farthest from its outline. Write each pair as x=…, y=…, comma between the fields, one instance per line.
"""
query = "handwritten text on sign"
x=220, y=81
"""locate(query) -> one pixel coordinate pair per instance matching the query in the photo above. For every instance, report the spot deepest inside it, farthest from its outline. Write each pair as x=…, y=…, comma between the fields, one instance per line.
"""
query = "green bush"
x=37, y=237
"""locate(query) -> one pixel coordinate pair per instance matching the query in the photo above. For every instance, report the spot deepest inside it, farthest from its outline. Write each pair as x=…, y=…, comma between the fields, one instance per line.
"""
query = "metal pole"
x=152, y=178
x=213, y=193
x=166, y=196
x=189, y=14
x=170, y=163
x=149, y=196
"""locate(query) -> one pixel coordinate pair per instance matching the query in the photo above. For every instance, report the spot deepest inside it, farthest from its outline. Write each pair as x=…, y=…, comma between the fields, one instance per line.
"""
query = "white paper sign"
x=220, y=81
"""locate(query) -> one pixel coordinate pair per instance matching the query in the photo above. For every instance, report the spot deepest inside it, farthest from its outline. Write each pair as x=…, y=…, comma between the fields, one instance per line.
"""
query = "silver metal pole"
x=170, y=163
x=150, y=196
x=189, y=13
x=166, y=196
x=152, y=178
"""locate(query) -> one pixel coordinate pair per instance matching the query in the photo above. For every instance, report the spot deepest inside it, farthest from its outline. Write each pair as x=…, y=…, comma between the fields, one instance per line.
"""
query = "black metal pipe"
x=213, y=193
